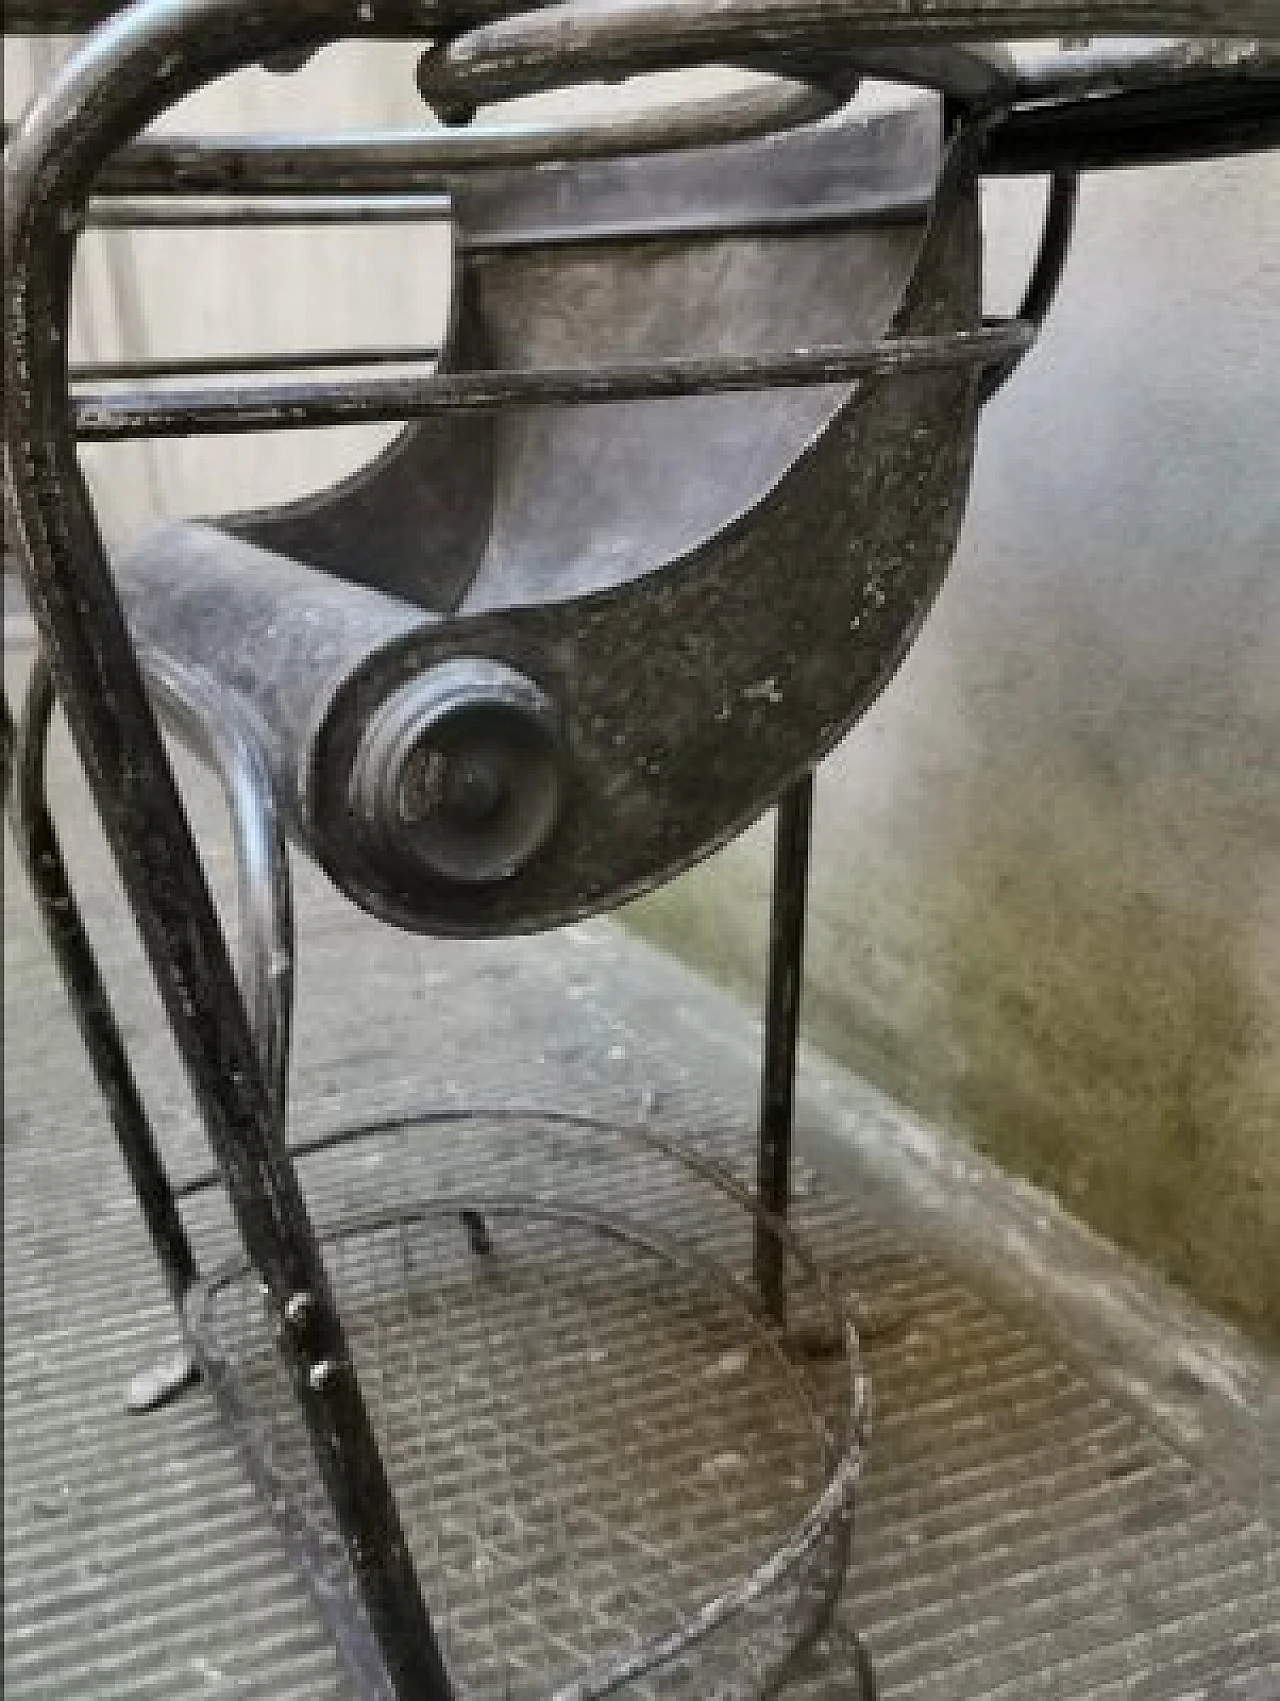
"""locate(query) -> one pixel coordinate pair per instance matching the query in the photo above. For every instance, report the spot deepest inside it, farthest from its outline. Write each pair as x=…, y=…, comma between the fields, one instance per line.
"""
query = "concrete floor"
x=1074, y=1487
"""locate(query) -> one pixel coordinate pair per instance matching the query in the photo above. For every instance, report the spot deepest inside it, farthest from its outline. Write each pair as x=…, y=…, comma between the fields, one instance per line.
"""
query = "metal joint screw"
x=299, y=1309
x=321, y=1375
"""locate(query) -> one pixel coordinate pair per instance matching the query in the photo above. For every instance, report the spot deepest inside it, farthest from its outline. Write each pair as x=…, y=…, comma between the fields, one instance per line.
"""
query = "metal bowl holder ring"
x=658, y=529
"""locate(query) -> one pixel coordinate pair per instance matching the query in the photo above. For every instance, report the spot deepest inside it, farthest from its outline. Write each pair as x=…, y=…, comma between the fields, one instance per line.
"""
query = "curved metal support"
x=1115, y=105
x=713, y=121
x=562, y=45
x=1046, y=274
x=308, y=405
x=213, y=724
x=440, y=161
x=209, y=721
x=1197, y=118
x=549, y=47
x=41, y=854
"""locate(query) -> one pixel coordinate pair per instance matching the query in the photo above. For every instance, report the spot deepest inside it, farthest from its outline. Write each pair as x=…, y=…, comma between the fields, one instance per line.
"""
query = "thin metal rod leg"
x=782, y=1019
x=41, y=855
x=477, y=1231
x=6, y=747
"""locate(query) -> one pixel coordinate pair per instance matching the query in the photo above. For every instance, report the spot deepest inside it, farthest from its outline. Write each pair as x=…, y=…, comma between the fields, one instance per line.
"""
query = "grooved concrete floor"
x=1072, y=1488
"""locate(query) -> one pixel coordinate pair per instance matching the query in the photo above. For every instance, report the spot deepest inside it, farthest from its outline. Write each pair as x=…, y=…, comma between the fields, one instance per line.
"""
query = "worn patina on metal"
x=668, y=508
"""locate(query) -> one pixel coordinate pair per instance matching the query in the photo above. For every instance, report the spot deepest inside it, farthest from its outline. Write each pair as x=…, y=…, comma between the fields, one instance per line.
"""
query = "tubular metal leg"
x=477, y=1231
x=782, y=1018
x=41, y=855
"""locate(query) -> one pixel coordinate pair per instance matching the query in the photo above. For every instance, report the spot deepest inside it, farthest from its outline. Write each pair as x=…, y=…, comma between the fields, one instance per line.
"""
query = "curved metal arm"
x=1046, y=274
x=928, y=44
x=301, y=405
x=1114, y=105
x=567, y=44
x=434, y=160
x=207, y=719
x=739, y=116
x=437, y=161
x=1197, y=116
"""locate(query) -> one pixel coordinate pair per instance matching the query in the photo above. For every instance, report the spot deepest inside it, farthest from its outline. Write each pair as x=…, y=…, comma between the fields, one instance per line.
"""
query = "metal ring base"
x=617, y=1474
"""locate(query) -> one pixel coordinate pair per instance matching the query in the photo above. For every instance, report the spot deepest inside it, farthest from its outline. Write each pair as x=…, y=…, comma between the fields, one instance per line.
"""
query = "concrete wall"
x=1047, y=893
x=1046, y=904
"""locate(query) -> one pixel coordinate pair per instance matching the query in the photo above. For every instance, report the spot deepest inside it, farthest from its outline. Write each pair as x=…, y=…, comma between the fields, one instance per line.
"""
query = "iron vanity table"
x=662, y=521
